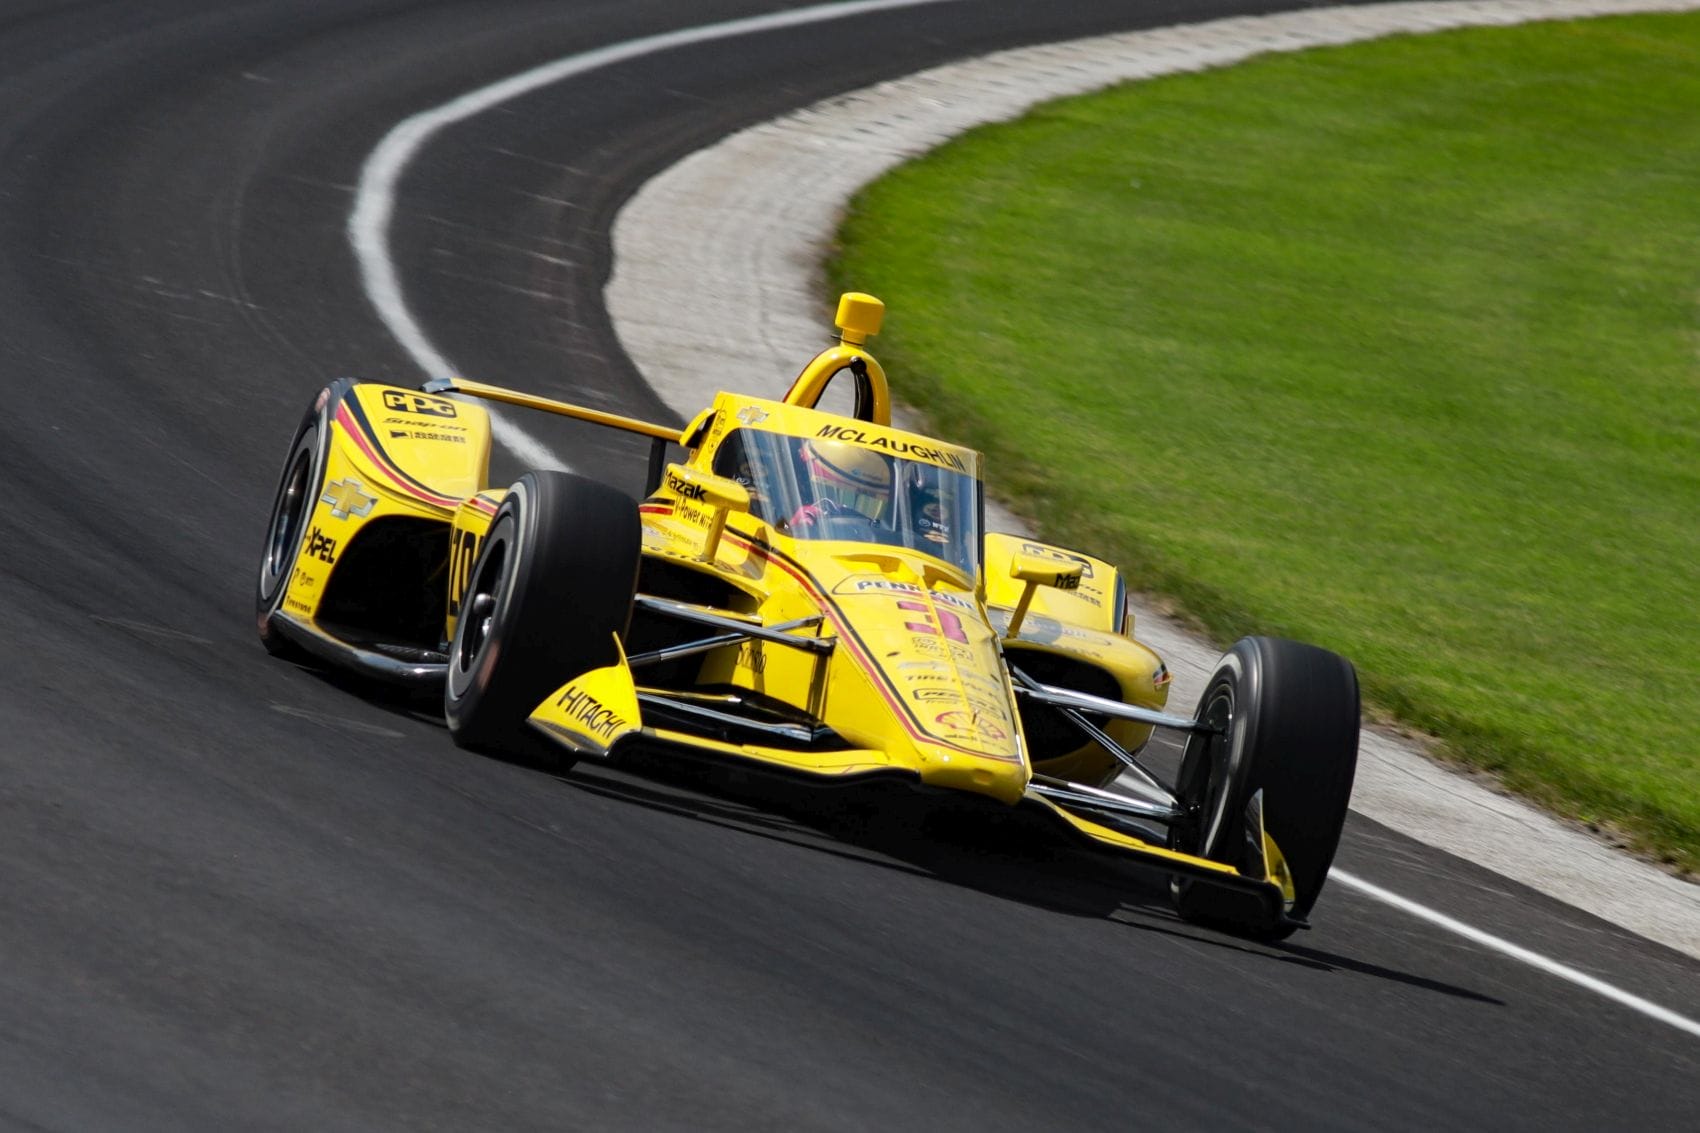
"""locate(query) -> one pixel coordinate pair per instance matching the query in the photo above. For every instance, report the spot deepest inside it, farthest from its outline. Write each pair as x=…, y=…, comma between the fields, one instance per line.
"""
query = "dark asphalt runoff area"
x=238, y=894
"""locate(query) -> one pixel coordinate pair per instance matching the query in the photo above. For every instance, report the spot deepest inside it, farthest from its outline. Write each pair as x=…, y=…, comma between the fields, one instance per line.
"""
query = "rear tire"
x=1289, y=718
x=552, y=585
x=298, y=490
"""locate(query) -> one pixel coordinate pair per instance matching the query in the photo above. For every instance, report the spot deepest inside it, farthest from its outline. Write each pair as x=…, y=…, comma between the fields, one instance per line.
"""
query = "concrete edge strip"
x=717, y=273
x=370, y=221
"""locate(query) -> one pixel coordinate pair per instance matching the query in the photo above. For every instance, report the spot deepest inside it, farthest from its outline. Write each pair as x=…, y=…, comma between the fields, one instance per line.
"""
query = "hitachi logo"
x=589, y=713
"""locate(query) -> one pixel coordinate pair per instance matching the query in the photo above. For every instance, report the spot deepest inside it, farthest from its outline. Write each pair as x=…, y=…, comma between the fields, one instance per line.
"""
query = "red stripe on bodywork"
x=847, y=634
x=376, y=454
x=905, y=714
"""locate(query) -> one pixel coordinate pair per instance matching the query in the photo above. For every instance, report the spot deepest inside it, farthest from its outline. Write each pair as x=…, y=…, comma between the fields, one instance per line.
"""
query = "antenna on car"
x=859, y=318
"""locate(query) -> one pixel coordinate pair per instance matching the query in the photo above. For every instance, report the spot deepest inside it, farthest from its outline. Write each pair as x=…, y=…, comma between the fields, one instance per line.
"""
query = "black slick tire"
x=1288, y=719
x=552, y=585
x=298, y=489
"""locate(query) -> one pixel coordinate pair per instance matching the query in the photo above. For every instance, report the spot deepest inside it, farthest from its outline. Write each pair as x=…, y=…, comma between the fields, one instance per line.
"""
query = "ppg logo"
x=405, y=401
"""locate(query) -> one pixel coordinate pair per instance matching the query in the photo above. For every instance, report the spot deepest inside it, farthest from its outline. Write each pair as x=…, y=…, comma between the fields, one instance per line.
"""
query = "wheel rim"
x=478, y=612
x=1202, y=781
x=287, y=517
x=1219, y=714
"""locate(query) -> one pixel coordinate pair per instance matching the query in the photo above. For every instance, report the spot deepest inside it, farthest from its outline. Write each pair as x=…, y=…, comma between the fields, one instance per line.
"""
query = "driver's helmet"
x=849, y=476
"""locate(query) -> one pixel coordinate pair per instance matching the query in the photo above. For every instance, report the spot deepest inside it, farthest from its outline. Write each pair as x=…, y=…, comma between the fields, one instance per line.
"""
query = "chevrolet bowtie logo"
x=347, y=497
x=751, y=415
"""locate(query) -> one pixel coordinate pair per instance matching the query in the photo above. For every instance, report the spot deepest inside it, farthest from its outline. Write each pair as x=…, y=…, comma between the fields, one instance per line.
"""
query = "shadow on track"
x=1015, y=854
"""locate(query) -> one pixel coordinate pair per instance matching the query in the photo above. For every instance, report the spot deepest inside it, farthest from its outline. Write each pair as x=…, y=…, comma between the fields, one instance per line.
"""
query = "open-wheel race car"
x=810, y=592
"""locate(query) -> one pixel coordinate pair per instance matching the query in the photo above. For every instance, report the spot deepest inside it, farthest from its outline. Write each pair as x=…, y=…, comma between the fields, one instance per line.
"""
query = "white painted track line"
x=370, y=220
x=769, y=293
x=745, y=221
x=1516, y=952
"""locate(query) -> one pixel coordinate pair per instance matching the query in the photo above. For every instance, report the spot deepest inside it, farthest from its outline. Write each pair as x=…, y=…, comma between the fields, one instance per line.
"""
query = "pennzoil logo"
x=879, y=584
x=422, y=404
x=348, y=497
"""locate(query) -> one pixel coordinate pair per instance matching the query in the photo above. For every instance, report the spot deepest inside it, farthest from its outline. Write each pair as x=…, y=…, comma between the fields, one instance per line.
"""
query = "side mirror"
x=1036, y=571
x=709, y=496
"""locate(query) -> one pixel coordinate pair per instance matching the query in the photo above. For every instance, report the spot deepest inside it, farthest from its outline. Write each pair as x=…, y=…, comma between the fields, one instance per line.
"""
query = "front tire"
x=298, y=490
x=552, y=585
x=1287, y=719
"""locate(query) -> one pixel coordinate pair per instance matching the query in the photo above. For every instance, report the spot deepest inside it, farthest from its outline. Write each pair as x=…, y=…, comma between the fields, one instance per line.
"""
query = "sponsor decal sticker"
x=434, y=424
x=348, y=497
x=873, y=584
x=425, y=435
x=685, y=488
x=894, y=446
x=320, y=546
x=419, y=404
x=1047, y=552
x=752, y=415
x=930, y=646
x=592, y=716
x=971, y=723
x=463, y=552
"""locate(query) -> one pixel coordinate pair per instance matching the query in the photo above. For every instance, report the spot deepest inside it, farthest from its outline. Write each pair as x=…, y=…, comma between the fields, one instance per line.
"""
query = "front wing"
x=603, y=710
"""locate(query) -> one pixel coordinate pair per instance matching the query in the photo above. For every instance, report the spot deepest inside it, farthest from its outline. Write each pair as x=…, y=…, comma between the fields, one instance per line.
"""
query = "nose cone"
x=936, y=670
x=952, y=768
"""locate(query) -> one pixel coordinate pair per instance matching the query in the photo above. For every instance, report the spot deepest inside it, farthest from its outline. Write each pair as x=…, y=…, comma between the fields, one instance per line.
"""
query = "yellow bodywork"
x=594, y=711
x=916, y=682
x=388, y=453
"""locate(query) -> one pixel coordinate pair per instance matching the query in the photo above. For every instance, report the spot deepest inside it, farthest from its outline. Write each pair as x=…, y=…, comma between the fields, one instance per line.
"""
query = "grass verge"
x=1390, y=347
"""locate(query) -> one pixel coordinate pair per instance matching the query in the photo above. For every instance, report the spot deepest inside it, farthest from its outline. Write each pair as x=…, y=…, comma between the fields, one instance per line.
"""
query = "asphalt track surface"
x=235, y=893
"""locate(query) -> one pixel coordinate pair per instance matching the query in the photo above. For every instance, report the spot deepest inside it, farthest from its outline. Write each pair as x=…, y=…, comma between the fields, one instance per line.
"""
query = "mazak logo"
x=685, y=488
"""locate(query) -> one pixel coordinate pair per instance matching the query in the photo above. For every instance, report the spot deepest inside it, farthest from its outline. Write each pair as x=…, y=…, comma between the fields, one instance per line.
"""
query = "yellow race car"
x=806, y=591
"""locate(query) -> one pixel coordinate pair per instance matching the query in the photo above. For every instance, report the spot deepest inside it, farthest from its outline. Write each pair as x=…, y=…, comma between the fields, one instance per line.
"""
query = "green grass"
x=1392, y=348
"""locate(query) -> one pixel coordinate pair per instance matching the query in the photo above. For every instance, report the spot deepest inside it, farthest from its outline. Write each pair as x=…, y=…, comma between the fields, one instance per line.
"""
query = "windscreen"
x=824, y=488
